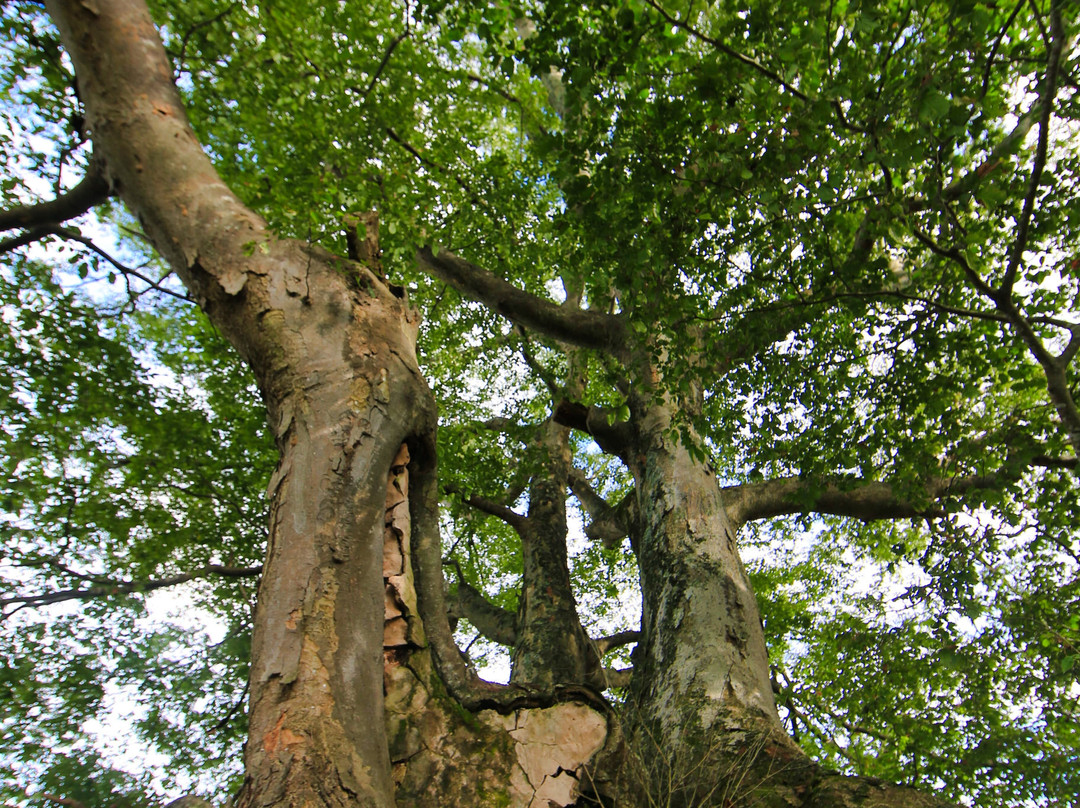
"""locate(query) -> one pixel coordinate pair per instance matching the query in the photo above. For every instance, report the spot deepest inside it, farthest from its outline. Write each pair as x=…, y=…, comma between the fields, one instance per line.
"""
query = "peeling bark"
x=442, y=754
x=332, y=349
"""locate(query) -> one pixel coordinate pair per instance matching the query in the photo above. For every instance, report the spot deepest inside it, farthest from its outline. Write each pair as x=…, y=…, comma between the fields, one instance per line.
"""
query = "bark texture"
x=333, y=352
x=702, y=650
x=443, y=754
x=551, y=647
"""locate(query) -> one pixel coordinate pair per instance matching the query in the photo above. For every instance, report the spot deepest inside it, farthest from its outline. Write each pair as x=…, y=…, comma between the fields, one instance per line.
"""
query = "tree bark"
x=333, y=352
x=552, y=648
x=702, y=650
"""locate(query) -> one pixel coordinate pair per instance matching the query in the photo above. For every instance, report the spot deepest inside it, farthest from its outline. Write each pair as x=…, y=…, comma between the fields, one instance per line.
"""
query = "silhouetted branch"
x=92, y=190
x=113, y=588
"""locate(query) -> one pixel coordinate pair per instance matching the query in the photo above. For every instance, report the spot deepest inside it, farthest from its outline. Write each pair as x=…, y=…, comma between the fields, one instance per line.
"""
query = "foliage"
x=800, y=207
x=124, y=461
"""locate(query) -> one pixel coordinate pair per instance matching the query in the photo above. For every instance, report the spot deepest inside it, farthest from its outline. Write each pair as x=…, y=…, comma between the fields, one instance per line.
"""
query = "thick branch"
x=869, y=501
x=92, y=190
x=613, y=641
x=587, y=329
x=607, y=523
x=494, y=623
x=143, y=140
x=613, y=438
x=618, y=677
x=461, y=681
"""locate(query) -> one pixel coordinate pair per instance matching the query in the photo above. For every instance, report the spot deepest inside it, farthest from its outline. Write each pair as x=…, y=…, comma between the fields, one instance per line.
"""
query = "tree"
x=735, y=264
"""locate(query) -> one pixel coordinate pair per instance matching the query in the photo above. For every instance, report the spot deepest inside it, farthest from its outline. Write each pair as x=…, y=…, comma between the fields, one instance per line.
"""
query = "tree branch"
x=461, y=681
x=972, y=179
x=618, y=677
x=613, y=438
x=493, y=622
x=92, y=190
x=865, y=500
x=123, y=587
x=608, y=523
x=752, y=63
x=55, y=799
x=584, y=328
x=613, y=641
x=473, y=196
x=74, y=235
x=492, y=508
x=1046, y=98
x=385, y=61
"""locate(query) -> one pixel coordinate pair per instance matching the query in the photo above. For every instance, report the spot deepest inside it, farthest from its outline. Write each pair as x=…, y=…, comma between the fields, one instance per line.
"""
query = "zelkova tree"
x=733, y=265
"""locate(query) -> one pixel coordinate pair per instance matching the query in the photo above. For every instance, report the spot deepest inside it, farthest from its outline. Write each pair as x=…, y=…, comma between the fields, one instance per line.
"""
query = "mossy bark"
x=442, y=754
x=551, y=647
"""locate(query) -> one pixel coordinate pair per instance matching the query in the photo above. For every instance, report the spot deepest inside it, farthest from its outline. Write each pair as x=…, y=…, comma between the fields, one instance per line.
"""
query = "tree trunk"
x=702, y=722
x=333, y=352
x=701, y=694
x=341, y=412
x=443, y=754
x=551, y=647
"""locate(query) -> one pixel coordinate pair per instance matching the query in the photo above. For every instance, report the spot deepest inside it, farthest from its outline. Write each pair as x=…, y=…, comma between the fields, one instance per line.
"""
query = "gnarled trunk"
x=551, y=647
x=443, y=754
x=333, y=352
x=346, y=398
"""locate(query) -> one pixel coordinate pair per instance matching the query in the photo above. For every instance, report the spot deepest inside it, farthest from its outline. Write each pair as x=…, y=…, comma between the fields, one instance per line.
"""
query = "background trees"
x=822, y=253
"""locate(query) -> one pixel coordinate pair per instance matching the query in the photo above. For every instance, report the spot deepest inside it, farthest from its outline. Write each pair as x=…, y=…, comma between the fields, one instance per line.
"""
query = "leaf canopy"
x=844, y=233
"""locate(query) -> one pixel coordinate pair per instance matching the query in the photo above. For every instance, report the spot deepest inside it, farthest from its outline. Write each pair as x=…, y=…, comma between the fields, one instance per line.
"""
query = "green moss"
x=452, y=705
x=494, y=798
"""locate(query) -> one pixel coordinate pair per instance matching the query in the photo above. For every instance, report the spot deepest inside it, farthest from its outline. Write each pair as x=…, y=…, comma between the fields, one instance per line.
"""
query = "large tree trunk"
x=332, y=348
x=333, y=352
x=702, y=651
x=344, y=402
x=702, y=722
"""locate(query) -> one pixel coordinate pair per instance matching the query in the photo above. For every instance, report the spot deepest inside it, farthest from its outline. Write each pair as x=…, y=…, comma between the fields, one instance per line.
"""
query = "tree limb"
x=1046, y=98
x=617, y=677
x=465, y=186
x=613, y=641
x=866, y=500
x=607, y=523
x=123, y=587
x=73, y=235
x=753, y=64
x=55, y=799
x=584, y=328
x=385, y=61
x=493, y=622
x=461, y=681
x=613, y=438
x=92, y=190
x=492, y=508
